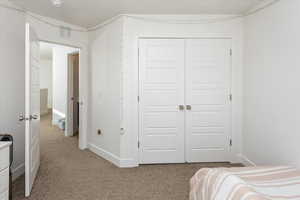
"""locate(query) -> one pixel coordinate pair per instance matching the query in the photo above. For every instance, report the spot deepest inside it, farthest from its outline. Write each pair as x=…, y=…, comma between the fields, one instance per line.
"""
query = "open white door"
x=32, y=101
x=72, y=125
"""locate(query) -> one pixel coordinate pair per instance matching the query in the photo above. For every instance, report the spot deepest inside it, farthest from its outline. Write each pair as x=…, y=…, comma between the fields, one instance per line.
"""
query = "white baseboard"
x=122, y=163
x=128, y=163
x=105, y=154
x=60, y=114
x=56, y=116
x=246, y=161
x=18, y=171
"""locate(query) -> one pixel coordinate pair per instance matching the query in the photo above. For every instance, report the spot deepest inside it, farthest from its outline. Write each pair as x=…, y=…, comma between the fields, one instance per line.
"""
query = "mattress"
x=246, y=183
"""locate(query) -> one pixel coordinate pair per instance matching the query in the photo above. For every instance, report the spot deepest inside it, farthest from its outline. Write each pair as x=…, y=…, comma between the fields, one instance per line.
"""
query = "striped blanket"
x=247, y=183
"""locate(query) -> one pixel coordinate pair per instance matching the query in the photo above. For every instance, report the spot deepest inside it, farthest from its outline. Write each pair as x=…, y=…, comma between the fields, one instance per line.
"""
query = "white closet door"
x=161, y=65
x=208, y=80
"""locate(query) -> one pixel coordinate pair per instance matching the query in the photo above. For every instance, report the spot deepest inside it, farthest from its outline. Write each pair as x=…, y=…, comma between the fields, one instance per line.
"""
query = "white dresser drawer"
x=4, y=158
x=4, y=180
x=4, y=196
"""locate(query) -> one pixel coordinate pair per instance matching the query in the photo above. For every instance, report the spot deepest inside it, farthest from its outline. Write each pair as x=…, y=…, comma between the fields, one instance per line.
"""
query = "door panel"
x=161, y=136
x=76, y=94
x=72, y=125
x=208, y=69
x=32, y=101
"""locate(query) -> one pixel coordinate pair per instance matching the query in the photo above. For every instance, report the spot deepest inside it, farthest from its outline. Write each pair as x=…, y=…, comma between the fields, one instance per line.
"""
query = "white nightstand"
x=4, y=170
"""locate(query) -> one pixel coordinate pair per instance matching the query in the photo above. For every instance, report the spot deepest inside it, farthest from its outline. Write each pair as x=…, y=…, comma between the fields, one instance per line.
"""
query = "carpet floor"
x=67, y=173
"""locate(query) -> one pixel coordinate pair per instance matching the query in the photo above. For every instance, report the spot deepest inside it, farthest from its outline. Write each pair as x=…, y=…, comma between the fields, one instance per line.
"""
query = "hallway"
x=67, y=173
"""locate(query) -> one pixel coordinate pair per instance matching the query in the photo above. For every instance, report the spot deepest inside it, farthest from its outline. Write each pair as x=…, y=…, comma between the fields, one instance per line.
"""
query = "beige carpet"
x=66, y=173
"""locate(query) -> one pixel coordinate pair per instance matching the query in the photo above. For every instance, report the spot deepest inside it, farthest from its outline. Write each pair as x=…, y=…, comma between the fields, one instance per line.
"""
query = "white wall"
x=271, y=85
x=12, y=81
x=46, y=78
x=106, y=60
x=60, y=80
x=135, y=28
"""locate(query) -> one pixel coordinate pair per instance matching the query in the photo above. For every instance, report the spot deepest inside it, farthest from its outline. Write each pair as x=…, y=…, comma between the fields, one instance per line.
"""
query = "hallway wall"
x=46, y=77
x=60, y=80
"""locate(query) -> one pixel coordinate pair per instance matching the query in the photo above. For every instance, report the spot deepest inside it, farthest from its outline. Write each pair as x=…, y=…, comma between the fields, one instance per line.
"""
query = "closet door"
x=161, y=74
x=208, y=110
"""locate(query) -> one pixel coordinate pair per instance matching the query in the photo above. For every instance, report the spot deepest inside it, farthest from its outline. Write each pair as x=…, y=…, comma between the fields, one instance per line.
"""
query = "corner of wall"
x=245, y=160
x=114, y=159
x=18, y=171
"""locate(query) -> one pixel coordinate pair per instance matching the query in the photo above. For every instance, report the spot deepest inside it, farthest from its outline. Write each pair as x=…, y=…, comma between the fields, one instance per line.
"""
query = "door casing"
x=230, y=157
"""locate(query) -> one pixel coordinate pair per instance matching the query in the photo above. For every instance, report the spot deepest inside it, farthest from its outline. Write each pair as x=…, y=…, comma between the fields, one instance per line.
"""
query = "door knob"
x=35, y=117
x=181, y=107
x=21, y=118
x=188, y=107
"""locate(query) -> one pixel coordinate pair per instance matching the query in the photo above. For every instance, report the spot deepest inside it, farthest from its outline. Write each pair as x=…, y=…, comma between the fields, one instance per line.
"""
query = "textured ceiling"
x=88, y=13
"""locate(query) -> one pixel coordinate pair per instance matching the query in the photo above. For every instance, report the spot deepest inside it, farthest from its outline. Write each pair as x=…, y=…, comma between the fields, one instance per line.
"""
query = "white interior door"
x=70, y=97
x=208, y=109
x=72, y=125
x=32, y=101
x=161, y=65
x=76, y=94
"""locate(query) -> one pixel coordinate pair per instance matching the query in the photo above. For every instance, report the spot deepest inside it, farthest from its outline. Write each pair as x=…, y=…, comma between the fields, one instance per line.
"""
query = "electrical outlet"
x=99, y=132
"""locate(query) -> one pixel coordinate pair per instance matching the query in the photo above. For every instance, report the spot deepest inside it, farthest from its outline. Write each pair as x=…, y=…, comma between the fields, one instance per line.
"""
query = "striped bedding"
x=247, y=183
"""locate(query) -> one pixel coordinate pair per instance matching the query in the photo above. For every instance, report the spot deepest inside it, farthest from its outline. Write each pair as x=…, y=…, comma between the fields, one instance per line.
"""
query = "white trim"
x=246, y=161
x=104, y=154
x=122, y=163
x=18, y=171
x=58, y=113
x=128, y=163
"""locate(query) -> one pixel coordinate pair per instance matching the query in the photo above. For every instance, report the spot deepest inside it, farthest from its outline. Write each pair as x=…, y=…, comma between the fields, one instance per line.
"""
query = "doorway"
x=59, y=87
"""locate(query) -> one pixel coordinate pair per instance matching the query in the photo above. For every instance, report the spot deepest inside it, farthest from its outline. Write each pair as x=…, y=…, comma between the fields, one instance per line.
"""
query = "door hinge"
x=230, y=97
x=230, y=142
x=231, y=52
x=138, y=144
x=138, y=98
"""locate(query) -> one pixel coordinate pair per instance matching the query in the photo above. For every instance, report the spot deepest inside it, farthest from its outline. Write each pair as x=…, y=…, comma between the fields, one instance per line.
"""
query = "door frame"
x=83, y=97
x=69, y=112
x=139, y=82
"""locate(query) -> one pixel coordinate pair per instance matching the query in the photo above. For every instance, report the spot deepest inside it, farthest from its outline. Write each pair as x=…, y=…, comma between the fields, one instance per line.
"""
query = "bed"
x=246, y=183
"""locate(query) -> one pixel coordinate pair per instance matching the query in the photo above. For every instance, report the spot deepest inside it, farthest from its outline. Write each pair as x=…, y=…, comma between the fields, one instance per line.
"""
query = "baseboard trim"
x=246, y=161
x=128, y=163
x=122, y=163
x=56, y=116
x=105, y=154
x=18, y=171
x=56, y=112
